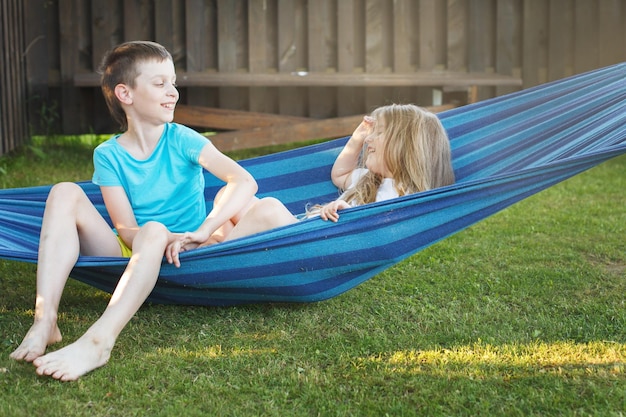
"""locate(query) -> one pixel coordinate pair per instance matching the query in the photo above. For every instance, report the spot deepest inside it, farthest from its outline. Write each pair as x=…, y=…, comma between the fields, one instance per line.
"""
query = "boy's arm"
x=239, y=190
x=121, y=213
x=348, y=158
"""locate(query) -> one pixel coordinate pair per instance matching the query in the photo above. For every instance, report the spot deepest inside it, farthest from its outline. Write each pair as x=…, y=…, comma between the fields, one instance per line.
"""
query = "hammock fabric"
x=504, y=150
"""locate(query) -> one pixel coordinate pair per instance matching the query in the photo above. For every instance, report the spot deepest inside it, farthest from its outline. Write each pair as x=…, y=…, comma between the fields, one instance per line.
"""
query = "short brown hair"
x=119, y=66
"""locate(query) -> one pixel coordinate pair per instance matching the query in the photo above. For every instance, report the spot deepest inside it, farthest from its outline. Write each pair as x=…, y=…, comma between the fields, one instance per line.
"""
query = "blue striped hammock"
x=504, y=150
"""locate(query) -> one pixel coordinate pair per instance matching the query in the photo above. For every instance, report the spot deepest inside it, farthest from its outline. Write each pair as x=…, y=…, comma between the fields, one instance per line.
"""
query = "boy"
x=152, y=185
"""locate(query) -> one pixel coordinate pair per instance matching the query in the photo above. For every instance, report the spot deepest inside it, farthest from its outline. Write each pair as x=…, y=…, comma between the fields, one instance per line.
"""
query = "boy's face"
x=155, y=95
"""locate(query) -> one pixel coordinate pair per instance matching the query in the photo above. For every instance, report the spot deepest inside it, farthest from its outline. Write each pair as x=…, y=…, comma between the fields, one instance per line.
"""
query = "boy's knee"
x=65, y=188
x=267, y=205
x=65, y=192
x=154, y=228
x=154, y=232
x=270, y=211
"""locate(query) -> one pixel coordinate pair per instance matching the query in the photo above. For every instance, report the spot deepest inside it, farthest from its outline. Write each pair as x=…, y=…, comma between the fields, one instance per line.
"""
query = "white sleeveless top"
x=386, y=190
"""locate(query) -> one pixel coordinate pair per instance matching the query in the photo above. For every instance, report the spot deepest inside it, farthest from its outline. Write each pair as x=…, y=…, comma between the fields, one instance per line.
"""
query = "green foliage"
x=519, y=315
x=49, y=118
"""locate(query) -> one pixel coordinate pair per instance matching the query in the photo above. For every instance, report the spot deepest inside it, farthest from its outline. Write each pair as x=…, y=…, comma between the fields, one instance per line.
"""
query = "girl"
x=397, y=150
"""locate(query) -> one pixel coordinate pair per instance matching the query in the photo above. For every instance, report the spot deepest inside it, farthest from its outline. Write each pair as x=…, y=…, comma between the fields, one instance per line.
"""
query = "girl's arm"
x=348, y=158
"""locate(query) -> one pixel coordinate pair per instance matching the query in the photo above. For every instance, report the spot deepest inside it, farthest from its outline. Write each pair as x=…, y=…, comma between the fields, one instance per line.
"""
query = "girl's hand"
x=330, y=210
x=363, y=129
x=348, y=158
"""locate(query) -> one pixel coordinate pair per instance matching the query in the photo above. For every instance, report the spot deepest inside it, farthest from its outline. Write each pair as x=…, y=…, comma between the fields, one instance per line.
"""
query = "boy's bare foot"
x=41, y=335
x=75, y=360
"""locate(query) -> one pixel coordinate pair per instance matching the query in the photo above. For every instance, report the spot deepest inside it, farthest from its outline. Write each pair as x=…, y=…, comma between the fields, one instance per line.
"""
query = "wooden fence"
x=245, y=54
x=13, y=96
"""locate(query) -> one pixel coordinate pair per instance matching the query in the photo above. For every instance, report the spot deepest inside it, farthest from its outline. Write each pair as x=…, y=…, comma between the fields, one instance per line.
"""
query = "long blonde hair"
x=416, y=151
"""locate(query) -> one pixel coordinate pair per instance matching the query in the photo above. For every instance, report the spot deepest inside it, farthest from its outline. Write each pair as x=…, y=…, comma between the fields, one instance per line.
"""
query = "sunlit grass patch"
x=480, y=360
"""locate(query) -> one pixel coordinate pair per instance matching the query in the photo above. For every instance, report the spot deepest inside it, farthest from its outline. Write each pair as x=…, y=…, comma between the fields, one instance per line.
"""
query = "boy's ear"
x=123, y=94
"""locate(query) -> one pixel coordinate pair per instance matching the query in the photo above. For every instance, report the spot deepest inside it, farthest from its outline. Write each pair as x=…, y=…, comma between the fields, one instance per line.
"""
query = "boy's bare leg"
x=68, y=214
x=221, y=234
x=265, y=214
x=93, y=349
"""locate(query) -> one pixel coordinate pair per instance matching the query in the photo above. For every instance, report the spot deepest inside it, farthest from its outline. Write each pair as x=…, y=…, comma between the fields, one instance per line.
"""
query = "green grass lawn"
x=522, y=314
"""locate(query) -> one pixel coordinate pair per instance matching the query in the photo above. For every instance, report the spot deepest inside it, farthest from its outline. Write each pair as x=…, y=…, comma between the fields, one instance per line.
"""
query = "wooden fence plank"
x=201, y=25
x=7, y=141
x=428, y=45
x=612, y=14
x=405, y=46
x=482, y=40
x=535, y=50
x=378, y=47
x=457, y=35
x=138, y=20
x=257, y=43
x=560, y=39
x=106, y=32
x=441, y=30
x=427, y=35
x=291, y=54
x=260, y=31
x=507, y=40
x=322, y=21
x=586, y=56
x=226, y=32
x=229, y=31
x=257, y=35
x=13, y=123
x=164, y=29
x=36, y=50
x=349, y=99
x=70, y=106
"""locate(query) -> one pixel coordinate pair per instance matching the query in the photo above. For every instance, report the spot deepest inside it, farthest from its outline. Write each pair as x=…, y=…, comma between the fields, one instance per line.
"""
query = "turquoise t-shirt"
x=167, y=187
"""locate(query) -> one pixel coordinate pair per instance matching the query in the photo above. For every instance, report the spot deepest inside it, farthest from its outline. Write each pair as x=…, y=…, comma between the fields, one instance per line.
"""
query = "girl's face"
x=155, y=94
x=375, y=141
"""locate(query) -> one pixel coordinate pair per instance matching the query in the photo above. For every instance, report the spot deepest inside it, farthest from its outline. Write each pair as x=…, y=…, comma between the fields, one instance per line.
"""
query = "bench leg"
x=437, y=97
x=472, y=94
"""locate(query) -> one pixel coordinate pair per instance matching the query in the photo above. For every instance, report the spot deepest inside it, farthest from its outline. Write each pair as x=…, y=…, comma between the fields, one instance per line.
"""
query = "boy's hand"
x=182, y=242
x=172, y=251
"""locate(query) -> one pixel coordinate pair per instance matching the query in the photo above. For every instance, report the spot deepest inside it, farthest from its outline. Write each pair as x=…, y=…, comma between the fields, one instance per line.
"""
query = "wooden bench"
x=327, y=79
x=436, y=79
x=251, y=129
